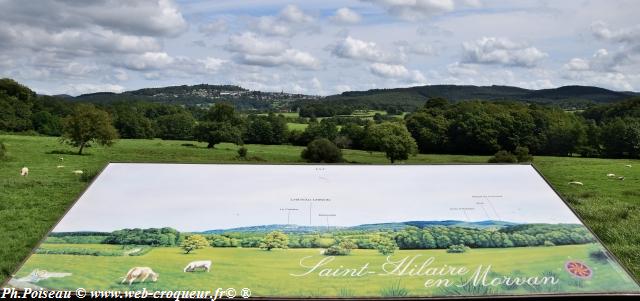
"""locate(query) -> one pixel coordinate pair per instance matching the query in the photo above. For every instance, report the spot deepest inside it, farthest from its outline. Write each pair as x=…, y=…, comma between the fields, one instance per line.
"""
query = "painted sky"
x=318, y=47
x=198, y=197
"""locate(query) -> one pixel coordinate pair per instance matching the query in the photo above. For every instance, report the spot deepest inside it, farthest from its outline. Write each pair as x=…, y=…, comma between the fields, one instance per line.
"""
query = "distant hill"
x=488, y=224
x=405, y=99
x=199, y=95
x=408, y=99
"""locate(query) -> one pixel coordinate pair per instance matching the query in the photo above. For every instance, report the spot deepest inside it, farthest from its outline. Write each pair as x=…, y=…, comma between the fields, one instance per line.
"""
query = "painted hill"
x=488, y=224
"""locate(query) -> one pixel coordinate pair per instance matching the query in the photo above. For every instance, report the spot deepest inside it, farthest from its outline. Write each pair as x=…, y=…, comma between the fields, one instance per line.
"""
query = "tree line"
x=470, y=127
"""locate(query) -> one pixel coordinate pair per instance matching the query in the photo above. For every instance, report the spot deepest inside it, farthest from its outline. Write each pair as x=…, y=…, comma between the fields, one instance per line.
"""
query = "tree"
x=88, y=124
x=193, y=242
x=222, y=124
x=621, y=137
x=177, y=126
x=429, y=131
x=131, y=122
x=393, y=139
x=322, y=151
x=274, y=240
x=324, y=129
x=46, y=123
x=385, y=245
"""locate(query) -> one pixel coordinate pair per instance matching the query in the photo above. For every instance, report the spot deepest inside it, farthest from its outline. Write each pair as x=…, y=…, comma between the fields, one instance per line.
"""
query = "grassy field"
x=297, y=126
x=30, y=206
x=268, y=273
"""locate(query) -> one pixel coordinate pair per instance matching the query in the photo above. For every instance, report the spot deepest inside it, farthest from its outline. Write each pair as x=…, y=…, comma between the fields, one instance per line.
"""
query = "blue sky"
x=199, y=197
x=318, y=47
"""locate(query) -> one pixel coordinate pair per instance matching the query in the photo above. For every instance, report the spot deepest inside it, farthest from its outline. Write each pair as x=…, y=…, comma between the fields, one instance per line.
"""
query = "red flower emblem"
x=578, y=269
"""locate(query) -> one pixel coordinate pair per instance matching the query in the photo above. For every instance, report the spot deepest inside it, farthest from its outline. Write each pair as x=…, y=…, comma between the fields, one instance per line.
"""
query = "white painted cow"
x=140, y=273
x=201, y=264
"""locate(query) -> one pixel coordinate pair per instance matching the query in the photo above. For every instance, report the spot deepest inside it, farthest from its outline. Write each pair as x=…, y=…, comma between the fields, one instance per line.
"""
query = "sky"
x=318, y=47
x=200, y=197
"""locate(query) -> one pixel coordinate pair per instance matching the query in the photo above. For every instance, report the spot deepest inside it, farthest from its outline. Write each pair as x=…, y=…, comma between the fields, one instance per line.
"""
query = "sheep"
x=620, y=178
x=628, y=165
x=610, y=175
x=78, y=172
x=24, y=171
x=576, y=183
x=61, y=159
x=60, y=166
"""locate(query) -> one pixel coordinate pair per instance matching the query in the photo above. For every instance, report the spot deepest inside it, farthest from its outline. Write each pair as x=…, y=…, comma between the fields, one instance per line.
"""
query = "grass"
x=297, y=126
x=30, y=206
x=268, y=273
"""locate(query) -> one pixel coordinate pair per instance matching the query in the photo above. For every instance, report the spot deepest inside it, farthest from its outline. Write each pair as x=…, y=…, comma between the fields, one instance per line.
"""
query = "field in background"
x=30, y=206
x=266, y=273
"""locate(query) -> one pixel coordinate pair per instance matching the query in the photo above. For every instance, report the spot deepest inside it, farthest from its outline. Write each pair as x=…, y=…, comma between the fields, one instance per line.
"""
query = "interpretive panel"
x=319, y=231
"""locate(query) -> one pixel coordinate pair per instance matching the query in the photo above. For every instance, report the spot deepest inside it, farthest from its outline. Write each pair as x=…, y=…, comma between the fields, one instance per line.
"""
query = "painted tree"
x=193, y=242
x=385, y=245
x=274, y=240
x=88, y=124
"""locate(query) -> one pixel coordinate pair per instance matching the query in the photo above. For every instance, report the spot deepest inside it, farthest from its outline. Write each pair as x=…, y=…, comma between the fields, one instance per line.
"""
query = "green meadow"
x=269, y=273
x=30, y=206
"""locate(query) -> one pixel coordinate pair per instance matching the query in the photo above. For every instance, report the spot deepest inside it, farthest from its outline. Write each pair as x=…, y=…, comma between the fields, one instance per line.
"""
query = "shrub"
x=336, y=250
x=457, y=249
x=88, y=175
x=548, y=243
x=599, y=256
x=503, y=156
x=522, y=154
x=322, y=151
x=242, y=152
x=340, y=249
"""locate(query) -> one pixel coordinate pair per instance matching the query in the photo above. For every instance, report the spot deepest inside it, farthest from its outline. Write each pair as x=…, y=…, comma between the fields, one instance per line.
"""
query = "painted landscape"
x=328, y=257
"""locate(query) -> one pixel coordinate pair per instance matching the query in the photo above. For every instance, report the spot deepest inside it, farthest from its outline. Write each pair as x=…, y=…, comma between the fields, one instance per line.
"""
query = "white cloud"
x=397, y=72
x=345, y=15
x=458, y=69
x=212, y=64
x=352, y=48
x=293, y=14
x=415, y=9
x=501, y=51
x=249, y=43
x=290, y=57
x=149, y=61
x=213, y=28
x=577, y=64
x=623, y=35
x=288, y=22
x=252, y=50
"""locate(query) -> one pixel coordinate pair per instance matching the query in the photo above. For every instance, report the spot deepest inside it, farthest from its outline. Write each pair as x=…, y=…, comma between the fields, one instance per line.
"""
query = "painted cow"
x=140, y=273
x=201, y=264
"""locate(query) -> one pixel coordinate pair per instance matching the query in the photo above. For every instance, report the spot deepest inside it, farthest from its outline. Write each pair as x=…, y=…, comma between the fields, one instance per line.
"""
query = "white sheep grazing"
x=78, y=172
x=611, y=175
x=576, y=183
x=61, y=159
x=620, y=178
x=60, y=166
x=628, y=165
x=24, y=171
